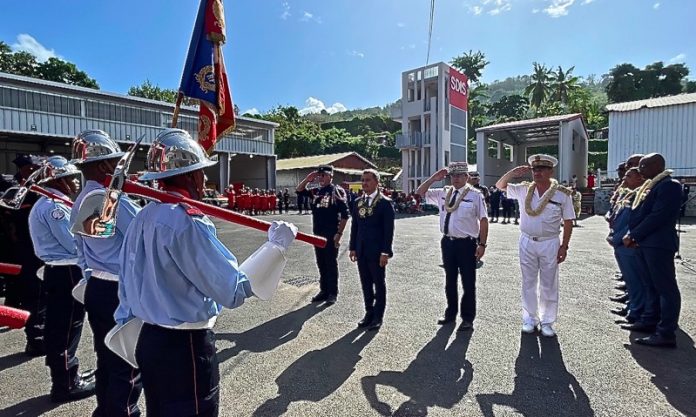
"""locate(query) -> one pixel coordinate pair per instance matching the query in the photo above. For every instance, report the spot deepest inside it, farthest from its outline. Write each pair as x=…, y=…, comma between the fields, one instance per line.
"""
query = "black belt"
x=473, y=239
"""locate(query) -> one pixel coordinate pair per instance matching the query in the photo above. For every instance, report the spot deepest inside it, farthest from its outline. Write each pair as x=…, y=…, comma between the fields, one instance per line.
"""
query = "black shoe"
x=639, y=327
x=331, y=300
x=445, y=320
x=366, y=321
x=81, y=390
x=465, y=326
x=34, y=351
x=656, y=340
x=619, y=311
x=620, y=287
x=516, y=222
x=322, y=296
x=88, y=374
x=619, y=298
x=375, y=325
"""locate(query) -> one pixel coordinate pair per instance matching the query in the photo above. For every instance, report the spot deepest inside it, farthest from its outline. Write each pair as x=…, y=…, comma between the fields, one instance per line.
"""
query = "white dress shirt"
x=548, y=222
x=465, y=220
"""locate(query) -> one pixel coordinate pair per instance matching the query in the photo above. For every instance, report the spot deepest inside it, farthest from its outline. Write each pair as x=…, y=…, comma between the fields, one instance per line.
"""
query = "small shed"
x=503, y=146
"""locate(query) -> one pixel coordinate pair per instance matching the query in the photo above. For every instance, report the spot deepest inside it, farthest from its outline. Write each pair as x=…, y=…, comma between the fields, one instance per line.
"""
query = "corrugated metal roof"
x=653, y=102
x=351, y=171
x=94, y=92
x=315, y=160
x=522, y=124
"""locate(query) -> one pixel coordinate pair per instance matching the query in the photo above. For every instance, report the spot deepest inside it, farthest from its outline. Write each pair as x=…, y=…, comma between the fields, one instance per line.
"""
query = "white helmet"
x=173, y=153
x=94, y=145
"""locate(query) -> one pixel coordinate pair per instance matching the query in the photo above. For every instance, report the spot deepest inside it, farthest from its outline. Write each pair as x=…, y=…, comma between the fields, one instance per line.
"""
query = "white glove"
x=282, y=233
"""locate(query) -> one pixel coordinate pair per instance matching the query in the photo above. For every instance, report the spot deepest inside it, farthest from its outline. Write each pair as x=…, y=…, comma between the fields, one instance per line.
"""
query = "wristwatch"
x=483, y=244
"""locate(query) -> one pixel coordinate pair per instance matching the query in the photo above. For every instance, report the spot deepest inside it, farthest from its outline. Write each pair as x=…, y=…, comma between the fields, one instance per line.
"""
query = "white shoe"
x=547, y=330
x=528, y=328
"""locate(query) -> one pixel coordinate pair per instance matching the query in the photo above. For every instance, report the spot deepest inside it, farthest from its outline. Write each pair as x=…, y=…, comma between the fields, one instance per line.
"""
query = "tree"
x=53, y=69
x=563, y=84
x=509, y=108
x=690, y=87
x=623, y=84
x=57, y=70
x=153, y=92
x=540, y=88
x=471, y=64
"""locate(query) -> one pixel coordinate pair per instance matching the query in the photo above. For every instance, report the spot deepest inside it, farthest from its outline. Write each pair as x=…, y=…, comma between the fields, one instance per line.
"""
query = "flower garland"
x=459, y=199
x=647, y=186
x=625, y=199
x=365, y=210
x=544, y=198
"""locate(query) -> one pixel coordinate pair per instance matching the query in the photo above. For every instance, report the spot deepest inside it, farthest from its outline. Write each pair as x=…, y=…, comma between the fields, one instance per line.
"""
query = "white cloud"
x=27, y=43
x=401, y=24
x=307, y=17
x=656, y=6
x=535, y=11
x=558, y=8
x=252, y=110
x=492, y=7
x=356, y=54
x=286, y=10
x=314, y=105
x=587, y=2
x=409, y=46
x=679, y=59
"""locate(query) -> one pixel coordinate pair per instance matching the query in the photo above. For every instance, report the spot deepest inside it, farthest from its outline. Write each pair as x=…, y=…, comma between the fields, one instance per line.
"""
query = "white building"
x=433, y=115
x=666, y=125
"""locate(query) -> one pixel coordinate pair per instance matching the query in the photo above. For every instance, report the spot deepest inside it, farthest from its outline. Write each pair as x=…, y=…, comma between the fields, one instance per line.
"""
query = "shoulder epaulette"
x=526, y=183
x=340, y=193
x=191, y=210
x=565, y=190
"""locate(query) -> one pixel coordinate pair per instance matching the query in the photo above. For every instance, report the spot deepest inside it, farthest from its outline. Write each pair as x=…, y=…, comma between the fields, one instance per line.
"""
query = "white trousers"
x=539, y=264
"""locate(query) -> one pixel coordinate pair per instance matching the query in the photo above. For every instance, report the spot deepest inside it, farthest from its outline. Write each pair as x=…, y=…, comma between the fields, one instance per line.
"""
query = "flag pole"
x=175, y=116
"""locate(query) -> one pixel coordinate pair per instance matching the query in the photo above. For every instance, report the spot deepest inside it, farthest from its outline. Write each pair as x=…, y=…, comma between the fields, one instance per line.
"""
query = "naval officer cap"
x=325, y=169
x=541, y=160
x=458, y=168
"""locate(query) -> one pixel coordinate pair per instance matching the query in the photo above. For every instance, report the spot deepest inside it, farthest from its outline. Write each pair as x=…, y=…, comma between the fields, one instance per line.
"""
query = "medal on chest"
x=365, y=210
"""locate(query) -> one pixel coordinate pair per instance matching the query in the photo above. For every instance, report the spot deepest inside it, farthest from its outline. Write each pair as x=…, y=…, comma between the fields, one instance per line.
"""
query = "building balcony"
x=412, y=140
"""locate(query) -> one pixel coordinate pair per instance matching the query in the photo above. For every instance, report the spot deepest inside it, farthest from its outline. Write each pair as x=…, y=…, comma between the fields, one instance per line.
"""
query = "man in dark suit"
x=371, y=236
x=652, y=230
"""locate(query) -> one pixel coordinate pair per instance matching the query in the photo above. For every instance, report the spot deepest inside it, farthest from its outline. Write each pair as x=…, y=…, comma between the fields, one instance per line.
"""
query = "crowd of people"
x=143, y=275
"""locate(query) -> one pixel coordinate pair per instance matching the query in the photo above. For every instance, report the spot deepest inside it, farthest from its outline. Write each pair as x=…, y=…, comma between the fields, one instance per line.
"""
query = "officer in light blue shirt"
x=175, y=277
x=49, y=227
x=118, y=384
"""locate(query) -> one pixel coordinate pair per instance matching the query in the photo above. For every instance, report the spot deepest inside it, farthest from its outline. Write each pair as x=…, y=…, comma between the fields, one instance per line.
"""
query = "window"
x=458, y=135
x=458, y=153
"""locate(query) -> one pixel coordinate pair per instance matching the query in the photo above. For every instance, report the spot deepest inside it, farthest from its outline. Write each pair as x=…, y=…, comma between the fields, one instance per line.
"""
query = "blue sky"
x=337, y=54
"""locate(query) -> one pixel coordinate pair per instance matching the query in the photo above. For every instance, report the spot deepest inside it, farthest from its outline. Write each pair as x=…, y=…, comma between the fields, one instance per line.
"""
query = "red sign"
x=459, y=89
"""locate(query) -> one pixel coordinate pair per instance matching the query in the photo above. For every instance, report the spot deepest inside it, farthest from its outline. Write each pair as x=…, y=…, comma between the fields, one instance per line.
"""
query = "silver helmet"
x=94, y=145
x=56, y=167
x=172, y=153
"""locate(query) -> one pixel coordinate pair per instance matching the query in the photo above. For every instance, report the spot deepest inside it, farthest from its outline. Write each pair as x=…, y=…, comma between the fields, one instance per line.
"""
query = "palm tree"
x=563, y=84
x=540, y=88
x=471, y=64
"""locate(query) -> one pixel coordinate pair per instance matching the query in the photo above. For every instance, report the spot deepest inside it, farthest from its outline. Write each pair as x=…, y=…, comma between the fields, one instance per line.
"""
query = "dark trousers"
x=495, y=210
x=63, y=330
x=185, y=381
x=507, y=210
x=374, y=286
x=32, y=299
x=665, y=297
x=118, y=384
x=327, y=262
x=629, y=267
x=459, y=258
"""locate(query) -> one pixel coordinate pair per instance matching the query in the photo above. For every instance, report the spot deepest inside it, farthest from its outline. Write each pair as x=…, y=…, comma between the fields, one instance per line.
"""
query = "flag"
x=205, y=78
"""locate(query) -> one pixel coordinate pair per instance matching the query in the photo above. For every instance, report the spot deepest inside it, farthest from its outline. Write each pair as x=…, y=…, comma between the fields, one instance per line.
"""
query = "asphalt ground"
x=289, y=357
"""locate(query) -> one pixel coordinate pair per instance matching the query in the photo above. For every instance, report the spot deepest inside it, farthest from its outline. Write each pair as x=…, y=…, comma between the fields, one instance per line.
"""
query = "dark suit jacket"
x=372, y=236
x=653, y=223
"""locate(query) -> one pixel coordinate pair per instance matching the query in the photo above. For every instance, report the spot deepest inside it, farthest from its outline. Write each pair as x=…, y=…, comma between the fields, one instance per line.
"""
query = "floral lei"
x=544, y=198
x=366, y=211
x=459, y=199
x=647, y=186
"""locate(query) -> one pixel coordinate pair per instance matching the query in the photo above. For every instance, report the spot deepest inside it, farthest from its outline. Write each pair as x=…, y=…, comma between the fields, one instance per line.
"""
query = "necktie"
x=447, y=217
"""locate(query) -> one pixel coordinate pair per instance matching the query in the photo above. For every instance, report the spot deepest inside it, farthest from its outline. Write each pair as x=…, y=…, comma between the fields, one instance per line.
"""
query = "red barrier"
x=10, y=269
x=13, y=318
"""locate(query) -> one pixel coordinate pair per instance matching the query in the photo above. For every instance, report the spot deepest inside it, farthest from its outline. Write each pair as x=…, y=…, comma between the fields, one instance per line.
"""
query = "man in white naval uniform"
x=544, y=206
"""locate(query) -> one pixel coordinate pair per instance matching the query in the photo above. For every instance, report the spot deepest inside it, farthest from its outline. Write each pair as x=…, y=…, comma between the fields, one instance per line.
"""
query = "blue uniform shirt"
x=49, y=226
x=102, y=254
x=174, y=270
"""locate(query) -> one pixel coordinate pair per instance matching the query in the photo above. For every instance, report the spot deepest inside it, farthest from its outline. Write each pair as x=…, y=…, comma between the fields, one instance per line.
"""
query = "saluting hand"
x=311, y=176
x=521, y=171
x=440, y=175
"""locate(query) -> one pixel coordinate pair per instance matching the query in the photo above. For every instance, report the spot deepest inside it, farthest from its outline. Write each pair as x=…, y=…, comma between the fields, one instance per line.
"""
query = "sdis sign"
x=459, y=89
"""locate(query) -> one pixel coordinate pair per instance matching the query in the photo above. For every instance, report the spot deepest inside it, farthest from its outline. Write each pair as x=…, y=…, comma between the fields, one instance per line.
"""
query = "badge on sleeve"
x=57, y=214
